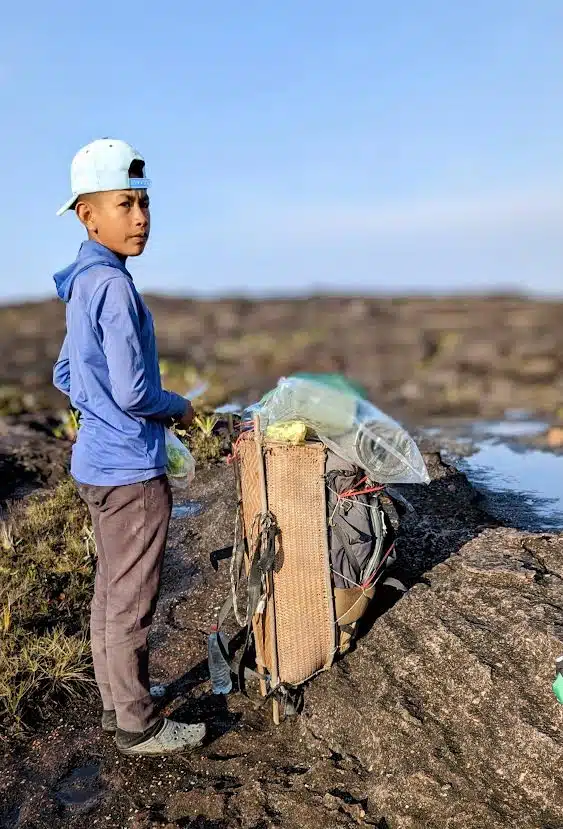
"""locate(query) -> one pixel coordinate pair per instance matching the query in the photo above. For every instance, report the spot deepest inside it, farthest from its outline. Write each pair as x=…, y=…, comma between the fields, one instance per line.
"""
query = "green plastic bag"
x=557, y=686
x=335, y=381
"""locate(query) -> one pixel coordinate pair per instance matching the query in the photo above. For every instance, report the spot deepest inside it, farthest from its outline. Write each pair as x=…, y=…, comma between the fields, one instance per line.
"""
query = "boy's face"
x=119, y=219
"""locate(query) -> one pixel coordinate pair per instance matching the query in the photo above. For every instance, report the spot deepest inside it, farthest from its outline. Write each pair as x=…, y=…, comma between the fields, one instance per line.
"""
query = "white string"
x=351, y=581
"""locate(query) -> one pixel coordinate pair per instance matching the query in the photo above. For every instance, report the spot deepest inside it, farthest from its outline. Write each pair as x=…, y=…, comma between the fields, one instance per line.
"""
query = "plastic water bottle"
x=218, y=667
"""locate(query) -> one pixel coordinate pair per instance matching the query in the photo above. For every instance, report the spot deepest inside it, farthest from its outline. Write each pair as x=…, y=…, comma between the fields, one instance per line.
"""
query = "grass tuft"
x=46, y=578
x=205, y=443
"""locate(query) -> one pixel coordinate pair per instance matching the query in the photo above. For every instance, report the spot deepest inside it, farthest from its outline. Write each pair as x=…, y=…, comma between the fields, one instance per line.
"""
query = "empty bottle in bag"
x=219, y=669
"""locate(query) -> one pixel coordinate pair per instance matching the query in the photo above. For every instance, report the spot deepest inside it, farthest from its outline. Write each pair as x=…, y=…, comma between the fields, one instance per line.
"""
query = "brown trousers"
x=130, y=526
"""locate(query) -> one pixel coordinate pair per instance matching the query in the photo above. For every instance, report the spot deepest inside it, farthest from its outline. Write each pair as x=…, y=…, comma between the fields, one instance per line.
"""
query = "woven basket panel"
x=303, y=599
x=303, y=604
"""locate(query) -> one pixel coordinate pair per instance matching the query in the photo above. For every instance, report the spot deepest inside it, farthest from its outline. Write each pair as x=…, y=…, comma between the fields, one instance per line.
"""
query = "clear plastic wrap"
x=351, y=426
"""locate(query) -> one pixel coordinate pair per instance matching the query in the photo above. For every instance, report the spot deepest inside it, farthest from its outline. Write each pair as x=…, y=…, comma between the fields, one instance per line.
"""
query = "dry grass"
x=206, y=448
x=46, y=576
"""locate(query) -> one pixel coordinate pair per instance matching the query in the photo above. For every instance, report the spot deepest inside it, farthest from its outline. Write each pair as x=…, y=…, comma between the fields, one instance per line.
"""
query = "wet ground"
x=510, y=463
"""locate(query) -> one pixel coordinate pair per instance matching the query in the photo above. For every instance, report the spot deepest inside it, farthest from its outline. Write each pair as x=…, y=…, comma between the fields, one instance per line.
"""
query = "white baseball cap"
x=101, y=166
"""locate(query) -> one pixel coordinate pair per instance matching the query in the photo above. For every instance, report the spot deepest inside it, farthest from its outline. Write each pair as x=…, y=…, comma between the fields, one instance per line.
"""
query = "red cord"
x=234, y=452
x=351, y=493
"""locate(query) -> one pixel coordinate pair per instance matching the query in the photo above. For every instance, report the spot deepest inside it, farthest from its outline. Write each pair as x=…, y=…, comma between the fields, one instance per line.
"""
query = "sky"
x=296, y=146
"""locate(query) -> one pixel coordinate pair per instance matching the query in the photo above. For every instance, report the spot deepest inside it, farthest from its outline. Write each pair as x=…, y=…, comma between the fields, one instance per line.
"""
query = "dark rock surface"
x=30, y=457
x=447, y=704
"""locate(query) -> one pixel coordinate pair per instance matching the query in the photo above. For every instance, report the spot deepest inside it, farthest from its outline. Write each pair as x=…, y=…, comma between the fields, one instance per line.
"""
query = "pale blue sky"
x=361, y=146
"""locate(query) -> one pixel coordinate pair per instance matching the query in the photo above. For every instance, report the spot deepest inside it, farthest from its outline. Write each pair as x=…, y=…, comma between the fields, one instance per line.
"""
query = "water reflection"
x=520, y=485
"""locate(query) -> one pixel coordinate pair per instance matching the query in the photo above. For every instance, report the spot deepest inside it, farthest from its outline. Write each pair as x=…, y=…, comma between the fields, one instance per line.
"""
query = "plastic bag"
x=180, y=464
x=351, y=426
x=322, y=407
x=381, y=447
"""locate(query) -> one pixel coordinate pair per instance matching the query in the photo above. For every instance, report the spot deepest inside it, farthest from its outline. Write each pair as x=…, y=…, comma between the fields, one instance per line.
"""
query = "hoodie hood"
x=90, y=254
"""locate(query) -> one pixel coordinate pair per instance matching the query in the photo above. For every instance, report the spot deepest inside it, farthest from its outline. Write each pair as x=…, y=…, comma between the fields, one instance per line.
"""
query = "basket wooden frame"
x=296, y=635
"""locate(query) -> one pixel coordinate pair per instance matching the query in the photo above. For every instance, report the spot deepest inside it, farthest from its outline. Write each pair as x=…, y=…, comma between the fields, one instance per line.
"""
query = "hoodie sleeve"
x=114, y=312
x=61, y=371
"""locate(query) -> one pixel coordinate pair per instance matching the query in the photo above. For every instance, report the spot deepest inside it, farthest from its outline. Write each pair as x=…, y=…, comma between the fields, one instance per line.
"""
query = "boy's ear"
x=87, y=215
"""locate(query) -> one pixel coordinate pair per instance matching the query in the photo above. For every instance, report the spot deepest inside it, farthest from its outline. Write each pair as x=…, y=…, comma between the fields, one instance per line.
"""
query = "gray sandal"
x=172, y=738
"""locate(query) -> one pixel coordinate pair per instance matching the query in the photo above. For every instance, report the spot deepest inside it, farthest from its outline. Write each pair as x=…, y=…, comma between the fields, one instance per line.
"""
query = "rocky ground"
x=443, y=716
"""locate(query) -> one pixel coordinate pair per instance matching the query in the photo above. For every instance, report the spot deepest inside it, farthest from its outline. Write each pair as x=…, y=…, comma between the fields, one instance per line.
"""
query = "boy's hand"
x=187, y=418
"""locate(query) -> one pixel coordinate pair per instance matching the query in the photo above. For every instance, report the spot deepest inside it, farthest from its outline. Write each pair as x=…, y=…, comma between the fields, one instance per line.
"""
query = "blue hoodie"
x=108, y=366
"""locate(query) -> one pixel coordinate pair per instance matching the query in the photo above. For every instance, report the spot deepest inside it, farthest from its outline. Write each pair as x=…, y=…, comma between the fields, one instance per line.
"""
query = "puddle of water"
x=509, y=428
x=521, y=486
x=479, y=430
x=81, y=789
x=188, y=510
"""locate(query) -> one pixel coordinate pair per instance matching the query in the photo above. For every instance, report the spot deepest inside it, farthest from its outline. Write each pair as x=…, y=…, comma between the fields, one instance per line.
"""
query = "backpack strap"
x=261, y=565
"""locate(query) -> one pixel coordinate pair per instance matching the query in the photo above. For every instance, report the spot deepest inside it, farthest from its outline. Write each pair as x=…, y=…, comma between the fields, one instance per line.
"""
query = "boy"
x=108, y=366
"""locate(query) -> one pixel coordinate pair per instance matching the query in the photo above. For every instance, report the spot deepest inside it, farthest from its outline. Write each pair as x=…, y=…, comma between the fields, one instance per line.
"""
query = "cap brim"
x=67, y=206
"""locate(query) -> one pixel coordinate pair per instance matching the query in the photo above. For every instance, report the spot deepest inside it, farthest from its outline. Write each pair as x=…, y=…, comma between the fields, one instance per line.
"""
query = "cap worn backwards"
x=101, y=166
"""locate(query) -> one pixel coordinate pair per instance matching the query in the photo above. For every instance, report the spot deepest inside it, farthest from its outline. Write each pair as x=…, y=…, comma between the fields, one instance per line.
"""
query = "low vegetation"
x=47, y=556
x=205, y=443
x=69, y=423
